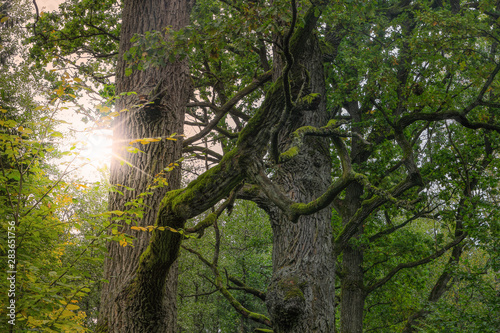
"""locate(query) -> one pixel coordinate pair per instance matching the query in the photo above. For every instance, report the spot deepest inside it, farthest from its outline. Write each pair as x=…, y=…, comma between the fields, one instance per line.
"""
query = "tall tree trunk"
x=161, y=118
x=352, y=285
x=300, y=297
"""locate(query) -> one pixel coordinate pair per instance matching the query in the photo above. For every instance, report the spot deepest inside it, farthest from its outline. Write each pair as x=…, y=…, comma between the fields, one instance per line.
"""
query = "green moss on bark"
x=291, y=288
x=290, y=153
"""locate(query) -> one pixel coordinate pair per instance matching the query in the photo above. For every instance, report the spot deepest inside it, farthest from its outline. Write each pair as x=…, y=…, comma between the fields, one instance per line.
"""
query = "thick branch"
x=212, y=217
x=294, y=210
x=331, y=129
x=216, y=183
x=459, y=117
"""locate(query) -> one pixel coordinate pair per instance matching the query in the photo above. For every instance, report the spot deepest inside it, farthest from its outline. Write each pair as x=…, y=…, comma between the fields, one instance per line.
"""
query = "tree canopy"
x=339, y=164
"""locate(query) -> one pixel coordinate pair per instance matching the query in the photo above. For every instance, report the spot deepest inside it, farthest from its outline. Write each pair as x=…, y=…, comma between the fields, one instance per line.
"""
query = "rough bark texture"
x=300, y=297
x=152, y=310
x=352, y=284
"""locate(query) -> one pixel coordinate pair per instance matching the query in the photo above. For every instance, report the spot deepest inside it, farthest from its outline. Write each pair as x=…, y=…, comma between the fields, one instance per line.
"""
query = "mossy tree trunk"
x=145, y=310
x=301, y=295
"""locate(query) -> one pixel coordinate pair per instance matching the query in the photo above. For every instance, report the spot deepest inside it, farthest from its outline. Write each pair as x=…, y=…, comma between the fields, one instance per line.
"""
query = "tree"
x=158, y=113
x=359, y=104
x=43, y=289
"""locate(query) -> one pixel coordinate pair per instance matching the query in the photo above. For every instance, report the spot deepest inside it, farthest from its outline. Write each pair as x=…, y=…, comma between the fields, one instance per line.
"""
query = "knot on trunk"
x=285, y=300
x=152, y=113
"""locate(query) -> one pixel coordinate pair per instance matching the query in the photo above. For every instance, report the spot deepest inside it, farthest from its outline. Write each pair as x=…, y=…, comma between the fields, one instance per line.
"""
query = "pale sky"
x=96, y=146
x=48, y=5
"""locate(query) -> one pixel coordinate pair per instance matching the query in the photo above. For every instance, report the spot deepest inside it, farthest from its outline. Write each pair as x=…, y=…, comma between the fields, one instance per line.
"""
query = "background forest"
x=335, y=166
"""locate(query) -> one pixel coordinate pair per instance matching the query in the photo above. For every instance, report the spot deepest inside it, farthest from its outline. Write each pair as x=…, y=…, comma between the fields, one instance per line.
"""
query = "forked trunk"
x=300, y=298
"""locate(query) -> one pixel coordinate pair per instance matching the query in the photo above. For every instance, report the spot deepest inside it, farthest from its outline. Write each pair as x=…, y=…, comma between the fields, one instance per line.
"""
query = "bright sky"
x=48, y=5
x=94, y=146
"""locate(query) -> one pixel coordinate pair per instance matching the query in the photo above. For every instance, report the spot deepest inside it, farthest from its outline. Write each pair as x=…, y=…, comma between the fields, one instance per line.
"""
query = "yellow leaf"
x=77, y=79
x=66, y=314
x=133, y=150
x=25, y=130
x=60, y=91
x=138, y=228
x=123, y=242
x=105, y=109
x=72, y=307
x=36, y=322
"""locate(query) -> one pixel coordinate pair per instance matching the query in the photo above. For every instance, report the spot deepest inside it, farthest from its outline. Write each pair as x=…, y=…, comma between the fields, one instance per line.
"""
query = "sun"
x=96, y=148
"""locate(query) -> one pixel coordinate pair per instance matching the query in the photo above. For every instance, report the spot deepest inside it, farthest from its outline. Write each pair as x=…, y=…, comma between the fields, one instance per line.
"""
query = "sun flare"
x=96, y=148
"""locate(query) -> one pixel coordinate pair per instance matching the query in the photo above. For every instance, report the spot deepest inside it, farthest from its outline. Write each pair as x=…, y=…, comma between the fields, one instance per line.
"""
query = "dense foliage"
x=412, y=97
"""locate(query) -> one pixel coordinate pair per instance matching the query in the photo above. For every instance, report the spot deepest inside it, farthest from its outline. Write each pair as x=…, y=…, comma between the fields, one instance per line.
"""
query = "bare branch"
x=228, y=106
x=246, y=288
x=225, y=292
x=198, y=295
x=399, y=226
x=425, y=260
x=191, y=149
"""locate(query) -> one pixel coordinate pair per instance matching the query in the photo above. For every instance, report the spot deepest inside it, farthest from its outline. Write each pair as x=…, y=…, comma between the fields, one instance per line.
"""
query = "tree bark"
x=300, y=297
x=164, y=116
x=352, y=284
